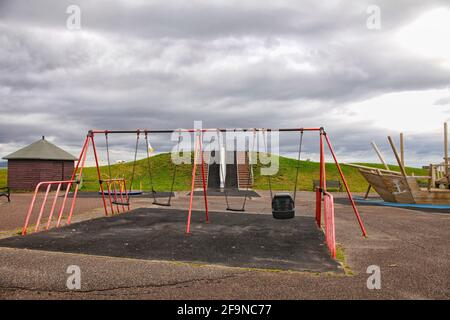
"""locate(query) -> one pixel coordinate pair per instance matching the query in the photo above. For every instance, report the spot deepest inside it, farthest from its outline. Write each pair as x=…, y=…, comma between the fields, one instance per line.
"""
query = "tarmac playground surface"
x=146, y=254
x=231, y=239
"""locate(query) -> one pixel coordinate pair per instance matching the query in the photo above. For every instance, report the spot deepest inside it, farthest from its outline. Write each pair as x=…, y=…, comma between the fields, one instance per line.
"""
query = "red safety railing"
x=318, y=207
x=59, y=184
x=328, y=215
x=62, y=206
x=117, y=194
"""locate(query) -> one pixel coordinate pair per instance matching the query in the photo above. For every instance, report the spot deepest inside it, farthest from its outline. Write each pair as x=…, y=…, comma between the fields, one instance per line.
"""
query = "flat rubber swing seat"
x=283, y=206
x=121, y=203
x=123, y=193
x=161, y=204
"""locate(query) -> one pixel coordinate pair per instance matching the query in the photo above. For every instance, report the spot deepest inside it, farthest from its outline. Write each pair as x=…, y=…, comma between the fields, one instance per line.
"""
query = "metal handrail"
x=49, y=184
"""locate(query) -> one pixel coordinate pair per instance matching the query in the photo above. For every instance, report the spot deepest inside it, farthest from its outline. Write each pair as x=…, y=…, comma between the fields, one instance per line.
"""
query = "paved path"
x=230, y=239
x=410, y=247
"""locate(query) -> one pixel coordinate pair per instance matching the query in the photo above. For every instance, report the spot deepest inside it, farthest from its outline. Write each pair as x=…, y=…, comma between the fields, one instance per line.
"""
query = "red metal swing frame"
x=322, y=196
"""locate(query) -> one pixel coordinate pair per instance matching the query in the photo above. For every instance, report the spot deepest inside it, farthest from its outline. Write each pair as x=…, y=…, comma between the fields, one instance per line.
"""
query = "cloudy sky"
x=164, y=64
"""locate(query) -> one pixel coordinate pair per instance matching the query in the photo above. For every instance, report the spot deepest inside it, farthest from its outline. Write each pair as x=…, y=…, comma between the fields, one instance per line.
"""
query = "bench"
x=331, y=184
x=5, y=192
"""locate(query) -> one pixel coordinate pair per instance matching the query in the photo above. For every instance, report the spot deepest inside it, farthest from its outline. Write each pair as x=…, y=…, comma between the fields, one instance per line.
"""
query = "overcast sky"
x=164, y=64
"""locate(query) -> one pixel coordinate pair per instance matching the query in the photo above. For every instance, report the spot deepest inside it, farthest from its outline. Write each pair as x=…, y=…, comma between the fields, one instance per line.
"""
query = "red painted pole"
x=61, y=210
x=36, y=228
x=322, y=182
x=55, y=199
x=69, y=185
x=330, y=228
x=205, y=197
x=99, y=174
x=320, y=161
x=323, y=164
x=75, y=192
x=205, y=130
x=350, y=196
x=121, y=196
x=30, y=209
x=80, y=158
x=108, y=185
x=114, y=183
x=188, y=226
x=318, y=206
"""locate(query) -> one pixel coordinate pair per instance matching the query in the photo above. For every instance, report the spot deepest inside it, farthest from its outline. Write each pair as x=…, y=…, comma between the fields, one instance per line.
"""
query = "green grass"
x=310, y=171
x=162, y=175
x=340, y=256
x=162, y=170
x=3, y=177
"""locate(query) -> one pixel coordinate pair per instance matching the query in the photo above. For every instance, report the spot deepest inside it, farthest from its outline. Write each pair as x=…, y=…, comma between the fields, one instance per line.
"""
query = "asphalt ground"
x=409, y=246
x=230, y=239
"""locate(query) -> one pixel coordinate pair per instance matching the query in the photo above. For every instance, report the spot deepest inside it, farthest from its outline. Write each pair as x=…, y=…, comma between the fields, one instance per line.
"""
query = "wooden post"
x=432, y=181
x=402, y=149
x=380, y=155
x=344, y=181
x=368, y=192
x=394, y=149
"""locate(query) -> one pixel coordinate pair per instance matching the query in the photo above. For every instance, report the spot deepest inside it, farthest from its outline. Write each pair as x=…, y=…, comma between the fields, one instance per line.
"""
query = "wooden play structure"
x=399, y=187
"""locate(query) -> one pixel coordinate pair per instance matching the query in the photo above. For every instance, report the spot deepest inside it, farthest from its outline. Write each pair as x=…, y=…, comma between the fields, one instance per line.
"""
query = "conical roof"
x=41, y=150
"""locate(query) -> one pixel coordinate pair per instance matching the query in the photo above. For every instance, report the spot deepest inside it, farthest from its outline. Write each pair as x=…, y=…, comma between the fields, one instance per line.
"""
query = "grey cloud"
x=164, y=66
x=178, y=19
x=443, y=102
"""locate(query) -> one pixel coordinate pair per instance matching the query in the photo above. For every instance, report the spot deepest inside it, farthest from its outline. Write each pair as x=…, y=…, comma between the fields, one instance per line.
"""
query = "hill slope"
x=162, y=169
x=284, y=180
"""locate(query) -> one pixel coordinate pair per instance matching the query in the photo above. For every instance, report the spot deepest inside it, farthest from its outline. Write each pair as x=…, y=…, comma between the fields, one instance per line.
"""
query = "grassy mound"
x=284, y=180
x=162, y=169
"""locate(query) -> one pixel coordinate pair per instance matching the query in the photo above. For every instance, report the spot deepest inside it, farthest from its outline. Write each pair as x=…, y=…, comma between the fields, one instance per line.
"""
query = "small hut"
x=40, y=161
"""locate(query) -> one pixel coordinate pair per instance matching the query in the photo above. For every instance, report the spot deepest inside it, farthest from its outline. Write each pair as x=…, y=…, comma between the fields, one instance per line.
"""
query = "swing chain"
x=107, y=155
x=298, y=164
x=153, y=191
x=135, y=160
x=248, y=178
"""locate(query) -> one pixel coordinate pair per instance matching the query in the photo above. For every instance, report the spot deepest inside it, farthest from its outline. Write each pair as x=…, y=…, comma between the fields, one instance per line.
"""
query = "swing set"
x=129, y=192
x=283, y=204
x=116, y=195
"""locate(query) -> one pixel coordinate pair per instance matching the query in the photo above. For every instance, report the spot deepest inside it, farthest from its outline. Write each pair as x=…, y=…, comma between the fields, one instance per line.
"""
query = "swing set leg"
x=318, y=207
x=194, y=170
x=350, y=197
x=205, y=197
x=191, y=198
x=323, y=183
x=99, y=176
